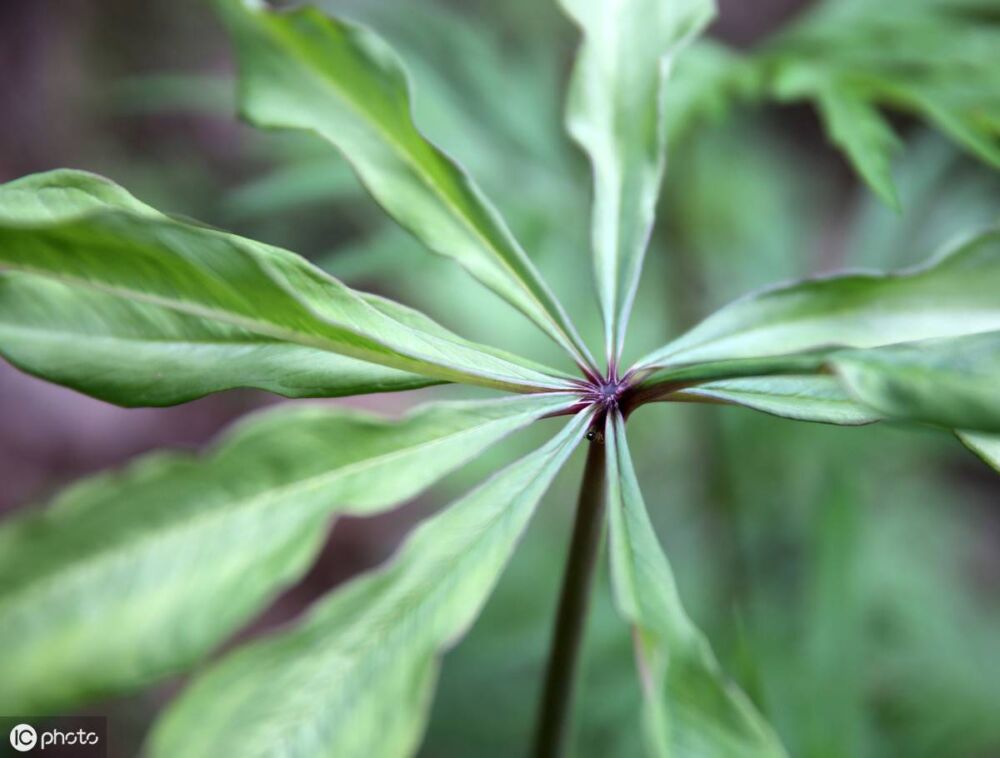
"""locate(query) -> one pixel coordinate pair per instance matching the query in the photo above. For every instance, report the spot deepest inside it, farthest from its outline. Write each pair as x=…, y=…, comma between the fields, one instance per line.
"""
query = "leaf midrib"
x=758, y=393
x=426, y=179
x=664, y=362
x=60, y=333
x=269, y=329
x=436, y=594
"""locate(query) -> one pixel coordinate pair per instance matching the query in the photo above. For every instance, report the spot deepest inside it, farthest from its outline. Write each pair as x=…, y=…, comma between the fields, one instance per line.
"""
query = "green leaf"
x=935, y=60
x=852, y=122
x=986, y=446
x=690, y=708
x=673, y=378
x=616, y=112
x=864, y=134
x=251, y=287
x=137, y=354
x=53, y=196
x=957, y=294
x=302, y=70
x=129, y=577
x=954, y=383
x=803, y=398
x=356, y=678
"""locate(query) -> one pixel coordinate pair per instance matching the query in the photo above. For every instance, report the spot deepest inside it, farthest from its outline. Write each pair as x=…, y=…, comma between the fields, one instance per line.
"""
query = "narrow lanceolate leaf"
x=957, y=294
x=803, y=398
x=261, y=293
x=129, y=577
x=986, y=446
x=303, y=70
x=672, y=378
x=138, y=354
x=954, y=383
x=616, y=113
x=690, y=708
x=356, y=678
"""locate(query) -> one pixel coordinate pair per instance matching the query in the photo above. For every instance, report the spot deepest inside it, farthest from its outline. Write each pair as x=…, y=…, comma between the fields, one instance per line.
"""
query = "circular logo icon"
x=23, y=737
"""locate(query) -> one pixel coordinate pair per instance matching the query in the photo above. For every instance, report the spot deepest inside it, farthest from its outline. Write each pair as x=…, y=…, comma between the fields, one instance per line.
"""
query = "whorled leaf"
x=192, y=271
x=131, y=576
x=672, y=378
x=802, y=398
x=137, y=354
x=303, y=70
x=616, y=112
x=690, y=708
x=356, y=677
x=953, y=383
x=956, y=294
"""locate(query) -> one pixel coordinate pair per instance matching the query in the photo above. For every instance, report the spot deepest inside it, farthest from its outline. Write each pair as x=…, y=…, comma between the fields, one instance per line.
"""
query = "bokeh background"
x=848, y=578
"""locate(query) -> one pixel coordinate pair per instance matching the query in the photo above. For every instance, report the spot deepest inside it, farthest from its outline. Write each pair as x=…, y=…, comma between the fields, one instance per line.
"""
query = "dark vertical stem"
x=574, y=600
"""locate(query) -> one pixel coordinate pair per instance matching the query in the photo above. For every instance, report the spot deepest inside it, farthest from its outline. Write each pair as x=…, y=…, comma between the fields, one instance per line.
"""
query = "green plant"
x=111, y=297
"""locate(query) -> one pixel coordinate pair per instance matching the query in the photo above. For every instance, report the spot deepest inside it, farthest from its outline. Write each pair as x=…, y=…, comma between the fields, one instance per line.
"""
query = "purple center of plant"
x=606, y=393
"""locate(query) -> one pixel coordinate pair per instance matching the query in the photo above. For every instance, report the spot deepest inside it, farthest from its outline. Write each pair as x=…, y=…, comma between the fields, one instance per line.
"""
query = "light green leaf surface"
x=206, y=274
x=673, y=378
x=803, y=398
x=137, y=354
x=986, y=446
x=957, y=294
x=302, y=70
x=690, y=708
x=616, y=113
x=954, y=383
x=356, y=678
x=63, y=194
x=131, y=576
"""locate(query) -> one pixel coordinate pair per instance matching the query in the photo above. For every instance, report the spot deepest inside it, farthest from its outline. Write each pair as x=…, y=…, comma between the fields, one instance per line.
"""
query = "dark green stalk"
x=554, y=711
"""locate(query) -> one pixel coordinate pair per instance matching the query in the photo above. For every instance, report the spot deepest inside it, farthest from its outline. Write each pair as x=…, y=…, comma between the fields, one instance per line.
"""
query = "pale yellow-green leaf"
x=690, y=708
x=616, y=112
x=303, y=70
x=355, y=679
x=131, y=576
x=153, y=277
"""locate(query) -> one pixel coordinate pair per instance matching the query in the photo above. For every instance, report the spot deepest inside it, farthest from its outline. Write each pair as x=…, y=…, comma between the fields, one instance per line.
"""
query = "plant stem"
x=574, y=600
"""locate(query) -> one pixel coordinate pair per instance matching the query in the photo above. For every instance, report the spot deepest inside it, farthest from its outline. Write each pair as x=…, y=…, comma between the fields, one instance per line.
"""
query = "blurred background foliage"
x=848, y=578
